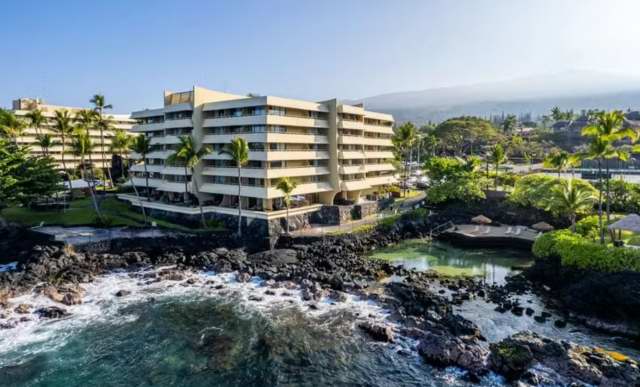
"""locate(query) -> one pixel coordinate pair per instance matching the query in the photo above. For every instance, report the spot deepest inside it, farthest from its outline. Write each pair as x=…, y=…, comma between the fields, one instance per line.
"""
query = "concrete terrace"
x=472, y=234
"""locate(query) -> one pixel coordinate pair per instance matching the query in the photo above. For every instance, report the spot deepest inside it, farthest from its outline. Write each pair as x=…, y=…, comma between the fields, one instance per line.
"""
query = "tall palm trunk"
x=186, y=185
x=103, y=156
x=135, y=189
x=406, y=175
x=121, y=164
x=93, y=196
x=92, y=185
x=195, y=191
x=146, y=175
x=608, y=194
x=64, y=166
x=239, y=201
x=600, y=201
x=287, y=204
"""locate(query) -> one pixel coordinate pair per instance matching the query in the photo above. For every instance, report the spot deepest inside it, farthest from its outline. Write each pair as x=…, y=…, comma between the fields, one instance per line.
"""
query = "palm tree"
x=497, y=156
x=569, y=199
x=119, y=146
x=45, y=141
x=142, y=146
x=605, y=131
x=36, y=119
x=81, y=146
x=85, y=121
x=287, y=186
x=528, y=159
x=559, y=161
x=62, y=126
x=238, y=149
x=556, y=113
x=509, y=124
x=103, y=124
x=12, y=127
x=188, y=154
x=404, y=139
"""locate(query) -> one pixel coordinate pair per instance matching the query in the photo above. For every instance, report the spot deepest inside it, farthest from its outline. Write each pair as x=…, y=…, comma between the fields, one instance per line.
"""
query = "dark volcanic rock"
x=447, y=350
x=276, y=257
x=122, y=293
x=51, y=312
x=516, y=355
x=378, y=332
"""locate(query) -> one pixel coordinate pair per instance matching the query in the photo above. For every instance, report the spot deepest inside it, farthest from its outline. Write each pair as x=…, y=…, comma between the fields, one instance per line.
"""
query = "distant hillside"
x=536, y=95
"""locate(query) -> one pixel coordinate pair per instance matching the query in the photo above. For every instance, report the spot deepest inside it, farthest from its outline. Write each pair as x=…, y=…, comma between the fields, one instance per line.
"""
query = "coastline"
x=333, y=267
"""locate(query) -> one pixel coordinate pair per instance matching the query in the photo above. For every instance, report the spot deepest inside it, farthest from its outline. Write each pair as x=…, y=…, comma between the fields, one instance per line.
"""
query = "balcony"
x=160, y=140
x=176, y=171
x=302, y=189
x=381, y=180
x=142, y=182
x=150, y=168
x=296, y=155
x=350, y=140
x=351, y=154
x=265, y=120
x=349, y=124
x=266, y=173
x=354, y=185
x=181, y=123
x=160, y=154
x=232, y=189
x=378, y=129
x=351, y=169
x=290, y=138
x=379, y=167
x=170, y=186
x=376, y=141
x=379, y=154
x=142, y=128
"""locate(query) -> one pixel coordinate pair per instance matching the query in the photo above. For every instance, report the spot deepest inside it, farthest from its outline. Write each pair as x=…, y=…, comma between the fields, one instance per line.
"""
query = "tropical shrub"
x=534, y=190
x=576, y=251
x=417, y=214
x=625, y=196
x=387, y=223
x=588, y=226
x=453, y=178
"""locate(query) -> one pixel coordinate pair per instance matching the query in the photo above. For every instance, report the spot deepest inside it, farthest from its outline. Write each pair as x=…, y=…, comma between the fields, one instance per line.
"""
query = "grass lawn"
x=81, y=213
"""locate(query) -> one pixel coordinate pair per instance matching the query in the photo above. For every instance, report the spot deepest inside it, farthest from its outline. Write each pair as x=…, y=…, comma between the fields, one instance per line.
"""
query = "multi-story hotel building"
x=22, y=106
x=336, y=153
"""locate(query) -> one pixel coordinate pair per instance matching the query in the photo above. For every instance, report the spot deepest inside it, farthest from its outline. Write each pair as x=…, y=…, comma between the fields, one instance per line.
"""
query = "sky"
x=131, y=50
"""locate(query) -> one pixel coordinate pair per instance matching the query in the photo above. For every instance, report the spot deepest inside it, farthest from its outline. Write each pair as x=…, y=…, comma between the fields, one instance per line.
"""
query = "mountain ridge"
x=536, y=95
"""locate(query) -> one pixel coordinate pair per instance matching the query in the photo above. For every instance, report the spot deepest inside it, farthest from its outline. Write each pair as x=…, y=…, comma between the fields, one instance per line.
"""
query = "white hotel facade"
x=22, y=106
x=336, y=153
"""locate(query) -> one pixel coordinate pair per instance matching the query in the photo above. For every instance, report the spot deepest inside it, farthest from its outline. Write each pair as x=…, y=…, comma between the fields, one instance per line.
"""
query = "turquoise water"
x=174, y=335
x=492, y=265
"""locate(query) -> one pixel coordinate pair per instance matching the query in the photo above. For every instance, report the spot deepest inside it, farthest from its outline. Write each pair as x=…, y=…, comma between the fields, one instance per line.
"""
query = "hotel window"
x=256, y=146
x=277, y=111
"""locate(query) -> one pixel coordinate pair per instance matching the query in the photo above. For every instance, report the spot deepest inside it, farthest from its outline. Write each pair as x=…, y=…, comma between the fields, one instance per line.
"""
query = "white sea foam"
x=101, y=305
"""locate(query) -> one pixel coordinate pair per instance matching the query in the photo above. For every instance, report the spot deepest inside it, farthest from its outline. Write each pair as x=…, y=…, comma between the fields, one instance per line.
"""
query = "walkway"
x=395, y=208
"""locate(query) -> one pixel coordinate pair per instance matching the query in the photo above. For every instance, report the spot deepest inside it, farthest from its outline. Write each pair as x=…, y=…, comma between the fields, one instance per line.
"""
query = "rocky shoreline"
x=332, y=267
x=606, y=301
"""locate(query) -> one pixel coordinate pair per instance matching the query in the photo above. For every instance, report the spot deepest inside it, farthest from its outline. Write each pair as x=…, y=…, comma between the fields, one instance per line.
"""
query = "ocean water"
x=174, y=334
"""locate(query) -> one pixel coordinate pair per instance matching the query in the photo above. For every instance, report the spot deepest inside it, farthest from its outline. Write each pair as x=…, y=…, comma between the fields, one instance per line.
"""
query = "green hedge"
x=576, y=251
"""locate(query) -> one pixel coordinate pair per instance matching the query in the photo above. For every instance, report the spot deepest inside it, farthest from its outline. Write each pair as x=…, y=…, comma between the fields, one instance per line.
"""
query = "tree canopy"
x=463, y=134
